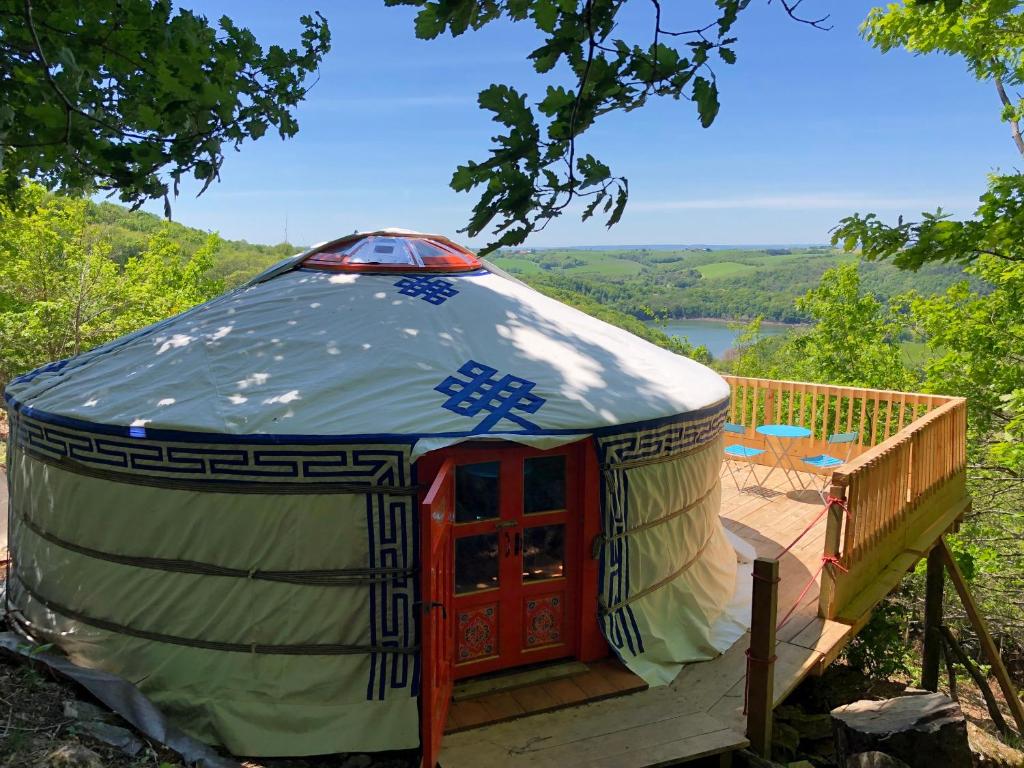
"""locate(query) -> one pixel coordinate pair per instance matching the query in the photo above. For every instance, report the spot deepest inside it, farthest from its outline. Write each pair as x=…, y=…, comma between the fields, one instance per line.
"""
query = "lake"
x=716, y=335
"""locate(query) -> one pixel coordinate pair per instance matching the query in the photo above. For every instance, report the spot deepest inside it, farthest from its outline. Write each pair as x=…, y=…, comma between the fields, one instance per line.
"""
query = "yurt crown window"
x=392, y=253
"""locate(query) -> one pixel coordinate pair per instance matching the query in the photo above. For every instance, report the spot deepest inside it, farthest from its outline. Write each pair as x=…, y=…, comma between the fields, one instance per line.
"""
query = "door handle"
x=444, y=610
x=506, y=524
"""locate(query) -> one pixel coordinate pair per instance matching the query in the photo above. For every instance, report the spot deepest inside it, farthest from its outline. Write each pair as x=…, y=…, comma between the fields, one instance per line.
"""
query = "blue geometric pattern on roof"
x=432, y=289
x=481, y=390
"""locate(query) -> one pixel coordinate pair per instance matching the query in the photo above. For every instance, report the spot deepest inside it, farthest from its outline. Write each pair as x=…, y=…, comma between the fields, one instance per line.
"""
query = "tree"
x=853, y=340
x=61, y=293
x=129, y=95
x=989, y=36
x=535, y=171
x=976, y=335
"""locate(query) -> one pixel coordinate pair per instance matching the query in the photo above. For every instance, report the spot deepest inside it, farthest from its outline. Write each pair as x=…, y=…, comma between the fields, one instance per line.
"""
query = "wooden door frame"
x=586, y=642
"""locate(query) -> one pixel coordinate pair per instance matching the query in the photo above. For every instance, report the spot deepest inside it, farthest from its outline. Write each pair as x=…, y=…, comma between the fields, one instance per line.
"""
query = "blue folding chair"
x=739, y=453
x=825, y=461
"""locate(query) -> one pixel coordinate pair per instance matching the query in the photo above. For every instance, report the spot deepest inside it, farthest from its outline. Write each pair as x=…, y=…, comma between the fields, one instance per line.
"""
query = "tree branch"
x=1014, y=124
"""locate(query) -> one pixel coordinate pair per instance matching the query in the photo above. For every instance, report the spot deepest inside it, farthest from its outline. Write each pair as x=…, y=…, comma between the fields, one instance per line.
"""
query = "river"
x=716, y=335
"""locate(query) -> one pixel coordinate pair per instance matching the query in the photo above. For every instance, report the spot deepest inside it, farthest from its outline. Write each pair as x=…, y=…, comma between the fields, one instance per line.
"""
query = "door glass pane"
x=543, y=484
x=476, y=492
x=543, y=552
x=476, y=563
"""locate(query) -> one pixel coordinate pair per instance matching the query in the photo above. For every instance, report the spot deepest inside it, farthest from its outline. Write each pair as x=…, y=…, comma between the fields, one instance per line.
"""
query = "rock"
x=114, y=735
x=924, y=731
x=83, y=710
x=357, y=761
x=801, y=764
x=73, y=756
x=990, y=752
x=810, y=726
x=785, y=739
x=874, y=760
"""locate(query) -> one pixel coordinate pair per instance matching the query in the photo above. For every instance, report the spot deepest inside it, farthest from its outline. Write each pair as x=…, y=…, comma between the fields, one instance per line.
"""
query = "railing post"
x=932, y=620
x=761, y=656
x=827, y=607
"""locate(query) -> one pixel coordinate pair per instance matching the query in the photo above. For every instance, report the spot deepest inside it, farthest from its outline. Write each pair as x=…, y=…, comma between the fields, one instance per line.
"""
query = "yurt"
x=295, y=514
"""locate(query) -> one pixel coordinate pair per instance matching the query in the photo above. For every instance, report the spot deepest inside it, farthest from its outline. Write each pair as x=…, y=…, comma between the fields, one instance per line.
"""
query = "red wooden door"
x=516, y=555
x=437, y=627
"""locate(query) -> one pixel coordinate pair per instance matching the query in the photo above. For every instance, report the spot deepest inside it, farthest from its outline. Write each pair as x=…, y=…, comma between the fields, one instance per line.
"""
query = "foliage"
x=693, y=283
x=130, y=95
x=997, y=230
x=986, y=34
x=880, y=648
x=61, y=293
x=534, y=171
x=852, y=341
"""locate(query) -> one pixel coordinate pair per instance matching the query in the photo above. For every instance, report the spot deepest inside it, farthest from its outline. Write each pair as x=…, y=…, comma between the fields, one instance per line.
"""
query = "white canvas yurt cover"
x=222, y=508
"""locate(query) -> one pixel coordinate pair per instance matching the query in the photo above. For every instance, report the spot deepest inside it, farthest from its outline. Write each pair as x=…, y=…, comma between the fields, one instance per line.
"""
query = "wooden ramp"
x=701, y=712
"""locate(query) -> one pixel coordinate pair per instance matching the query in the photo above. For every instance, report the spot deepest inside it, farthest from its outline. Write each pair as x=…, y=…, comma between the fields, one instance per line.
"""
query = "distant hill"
x=128, y=231
x=733, y=284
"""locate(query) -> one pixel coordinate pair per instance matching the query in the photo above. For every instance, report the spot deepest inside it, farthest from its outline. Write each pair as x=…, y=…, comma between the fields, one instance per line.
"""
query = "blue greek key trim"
x=617, y=453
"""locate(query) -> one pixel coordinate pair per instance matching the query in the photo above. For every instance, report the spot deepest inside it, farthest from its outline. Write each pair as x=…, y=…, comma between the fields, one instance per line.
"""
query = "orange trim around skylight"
x=386, y=252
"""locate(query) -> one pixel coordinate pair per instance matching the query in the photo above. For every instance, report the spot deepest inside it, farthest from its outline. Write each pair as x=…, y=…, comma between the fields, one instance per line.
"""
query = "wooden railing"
x=904, y=477
x=903, y=487
x=875, y=414
x=901, y=495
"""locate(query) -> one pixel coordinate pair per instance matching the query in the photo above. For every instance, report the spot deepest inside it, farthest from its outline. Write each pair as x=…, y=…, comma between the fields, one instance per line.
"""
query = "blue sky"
x=814, y=125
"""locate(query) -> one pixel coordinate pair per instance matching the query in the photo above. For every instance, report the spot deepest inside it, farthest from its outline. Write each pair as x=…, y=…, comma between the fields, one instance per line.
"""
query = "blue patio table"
x=779, y=447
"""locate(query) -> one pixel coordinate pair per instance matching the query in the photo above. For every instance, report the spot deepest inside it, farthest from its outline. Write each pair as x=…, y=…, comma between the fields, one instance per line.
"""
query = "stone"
x=785, y=739
x=357, y=761
x=990, y=752
x=811, y=727
x=801, y=764
x=924, y=731
x=73, y=756
x=874, y=760
x=113, y=735
x=76, y=709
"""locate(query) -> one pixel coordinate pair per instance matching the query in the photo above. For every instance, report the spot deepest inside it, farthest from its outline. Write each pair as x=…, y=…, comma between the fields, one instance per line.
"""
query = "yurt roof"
x=313, y=351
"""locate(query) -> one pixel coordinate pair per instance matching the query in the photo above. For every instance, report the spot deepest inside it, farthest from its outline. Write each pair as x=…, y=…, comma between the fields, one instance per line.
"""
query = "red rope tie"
x=828, y=505
x=832, y=560
x=752, y=659
x=825, y=560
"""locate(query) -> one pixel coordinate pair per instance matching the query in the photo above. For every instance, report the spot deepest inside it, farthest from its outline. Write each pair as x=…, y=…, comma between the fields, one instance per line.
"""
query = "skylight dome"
x=392, y=251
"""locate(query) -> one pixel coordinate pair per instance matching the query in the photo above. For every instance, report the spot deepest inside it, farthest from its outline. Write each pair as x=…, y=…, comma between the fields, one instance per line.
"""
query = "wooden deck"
x=902, y=488
x=699, y=714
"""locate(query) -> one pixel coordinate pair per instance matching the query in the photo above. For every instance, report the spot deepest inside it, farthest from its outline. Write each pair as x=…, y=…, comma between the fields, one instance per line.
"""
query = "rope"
x=825, y=560
x=601, y=539
x=752, y=659
x=605, y=610
x=321, y=578
x=299, y=649
x=828, y=504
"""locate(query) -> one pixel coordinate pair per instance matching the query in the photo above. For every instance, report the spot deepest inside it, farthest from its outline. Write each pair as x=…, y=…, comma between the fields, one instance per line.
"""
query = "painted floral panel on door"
x=477, y=632
x=544, y=616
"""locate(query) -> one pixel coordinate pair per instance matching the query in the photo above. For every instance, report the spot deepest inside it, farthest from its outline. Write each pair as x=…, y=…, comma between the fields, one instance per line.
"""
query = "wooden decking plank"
x=700, y=713
x=566, y=692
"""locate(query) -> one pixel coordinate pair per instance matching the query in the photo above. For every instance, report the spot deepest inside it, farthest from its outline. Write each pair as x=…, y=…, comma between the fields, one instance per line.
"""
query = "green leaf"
x=705, y=93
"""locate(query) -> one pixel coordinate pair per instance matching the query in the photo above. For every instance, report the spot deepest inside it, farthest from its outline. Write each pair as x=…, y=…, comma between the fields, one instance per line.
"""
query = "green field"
x=732, y=283
x=724, y=269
